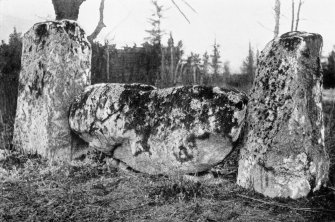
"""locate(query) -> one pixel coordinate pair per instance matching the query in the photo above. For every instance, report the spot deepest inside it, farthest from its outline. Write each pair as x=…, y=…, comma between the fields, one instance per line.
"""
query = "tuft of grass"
x=170, y=190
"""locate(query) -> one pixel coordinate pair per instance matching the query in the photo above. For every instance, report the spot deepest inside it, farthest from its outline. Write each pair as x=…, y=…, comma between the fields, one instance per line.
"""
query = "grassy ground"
x=33, y=189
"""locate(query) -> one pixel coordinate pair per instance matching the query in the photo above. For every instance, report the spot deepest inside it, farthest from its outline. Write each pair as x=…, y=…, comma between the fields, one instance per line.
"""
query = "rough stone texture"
x=160, y=131
x=283, y=153
x=56, y=62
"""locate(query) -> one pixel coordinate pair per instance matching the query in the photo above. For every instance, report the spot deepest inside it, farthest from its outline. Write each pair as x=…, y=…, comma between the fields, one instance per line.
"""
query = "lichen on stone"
x=55, y=69
x=68, y=27
x=180, y=127
x=285, y=119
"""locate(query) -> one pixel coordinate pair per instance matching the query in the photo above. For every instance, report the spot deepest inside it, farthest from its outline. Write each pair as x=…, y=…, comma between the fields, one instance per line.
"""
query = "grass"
x=34, y=189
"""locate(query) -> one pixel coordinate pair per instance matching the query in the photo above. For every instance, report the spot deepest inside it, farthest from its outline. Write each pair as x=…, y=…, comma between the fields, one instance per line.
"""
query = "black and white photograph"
x=167, y=110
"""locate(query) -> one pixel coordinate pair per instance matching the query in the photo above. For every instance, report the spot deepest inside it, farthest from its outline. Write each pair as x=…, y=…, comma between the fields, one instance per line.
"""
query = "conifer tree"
x=215, y=61
x=155, y=33
x=204, y=69
x=154, y=39
x=249, y=66
x=226, y=71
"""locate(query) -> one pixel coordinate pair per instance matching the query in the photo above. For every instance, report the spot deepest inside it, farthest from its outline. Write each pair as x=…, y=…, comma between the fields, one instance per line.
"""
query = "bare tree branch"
x=101, y=23
x=266, y=28
x=181, y=12
x=189, y=6
x=298, y=15
x=292, y=24
x=277, y=18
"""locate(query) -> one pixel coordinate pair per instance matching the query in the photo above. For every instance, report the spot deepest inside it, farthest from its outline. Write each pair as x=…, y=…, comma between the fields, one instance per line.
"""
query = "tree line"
x=164, y=64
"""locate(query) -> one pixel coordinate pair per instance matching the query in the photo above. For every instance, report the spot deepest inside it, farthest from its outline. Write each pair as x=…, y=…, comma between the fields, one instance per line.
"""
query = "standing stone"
x=284, y=153
x=56, y=62
x=170, y=131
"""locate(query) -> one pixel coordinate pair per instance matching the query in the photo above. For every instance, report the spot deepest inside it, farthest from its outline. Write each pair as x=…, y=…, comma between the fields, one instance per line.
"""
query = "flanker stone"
x=284, y=153
x=56, y=62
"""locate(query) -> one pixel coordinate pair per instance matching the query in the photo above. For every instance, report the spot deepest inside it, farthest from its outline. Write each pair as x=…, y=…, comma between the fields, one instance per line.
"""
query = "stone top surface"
x=159, y=103
x=301, y=35
x=296, y=41
x=42, y=31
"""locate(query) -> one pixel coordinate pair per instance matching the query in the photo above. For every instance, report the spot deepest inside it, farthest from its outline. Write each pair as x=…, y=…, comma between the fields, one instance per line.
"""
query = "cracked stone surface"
x=56, y=63
x=170, y=131
x=284, y=153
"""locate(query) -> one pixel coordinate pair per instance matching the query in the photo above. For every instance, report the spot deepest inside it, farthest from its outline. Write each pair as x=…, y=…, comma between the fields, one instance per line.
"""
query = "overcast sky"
x=234, y=23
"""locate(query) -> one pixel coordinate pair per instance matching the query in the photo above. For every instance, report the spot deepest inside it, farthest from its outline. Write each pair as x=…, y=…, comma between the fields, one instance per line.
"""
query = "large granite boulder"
x=170, y=131
x=283, y=153
x=56, y=62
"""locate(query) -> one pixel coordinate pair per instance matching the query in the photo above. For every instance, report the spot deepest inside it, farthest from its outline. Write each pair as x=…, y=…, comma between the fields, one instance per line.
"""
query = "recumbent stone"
x=170, y=131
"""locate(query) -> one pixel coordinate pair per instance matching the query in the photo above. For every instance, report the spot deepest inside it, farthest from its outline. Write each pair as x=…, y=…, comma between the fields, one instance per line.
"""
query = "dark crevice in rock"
x=42, y=32
x=204, y=136
x=79, y=103
x=183, y=155
x=37, y=85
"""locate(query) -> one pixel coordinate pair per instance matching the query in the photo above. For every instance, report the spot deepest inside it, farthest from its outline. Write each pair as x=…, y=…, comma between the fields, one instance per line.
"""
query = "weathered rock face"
x=56, y=62
x=283, y=153
x=160, y=131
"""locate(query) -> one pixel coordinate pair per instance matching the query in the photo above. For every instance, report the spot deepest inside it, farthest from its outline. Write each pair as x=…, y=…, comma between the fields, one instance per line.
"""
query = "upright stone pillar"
x=284, y=153
x=56, y=63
